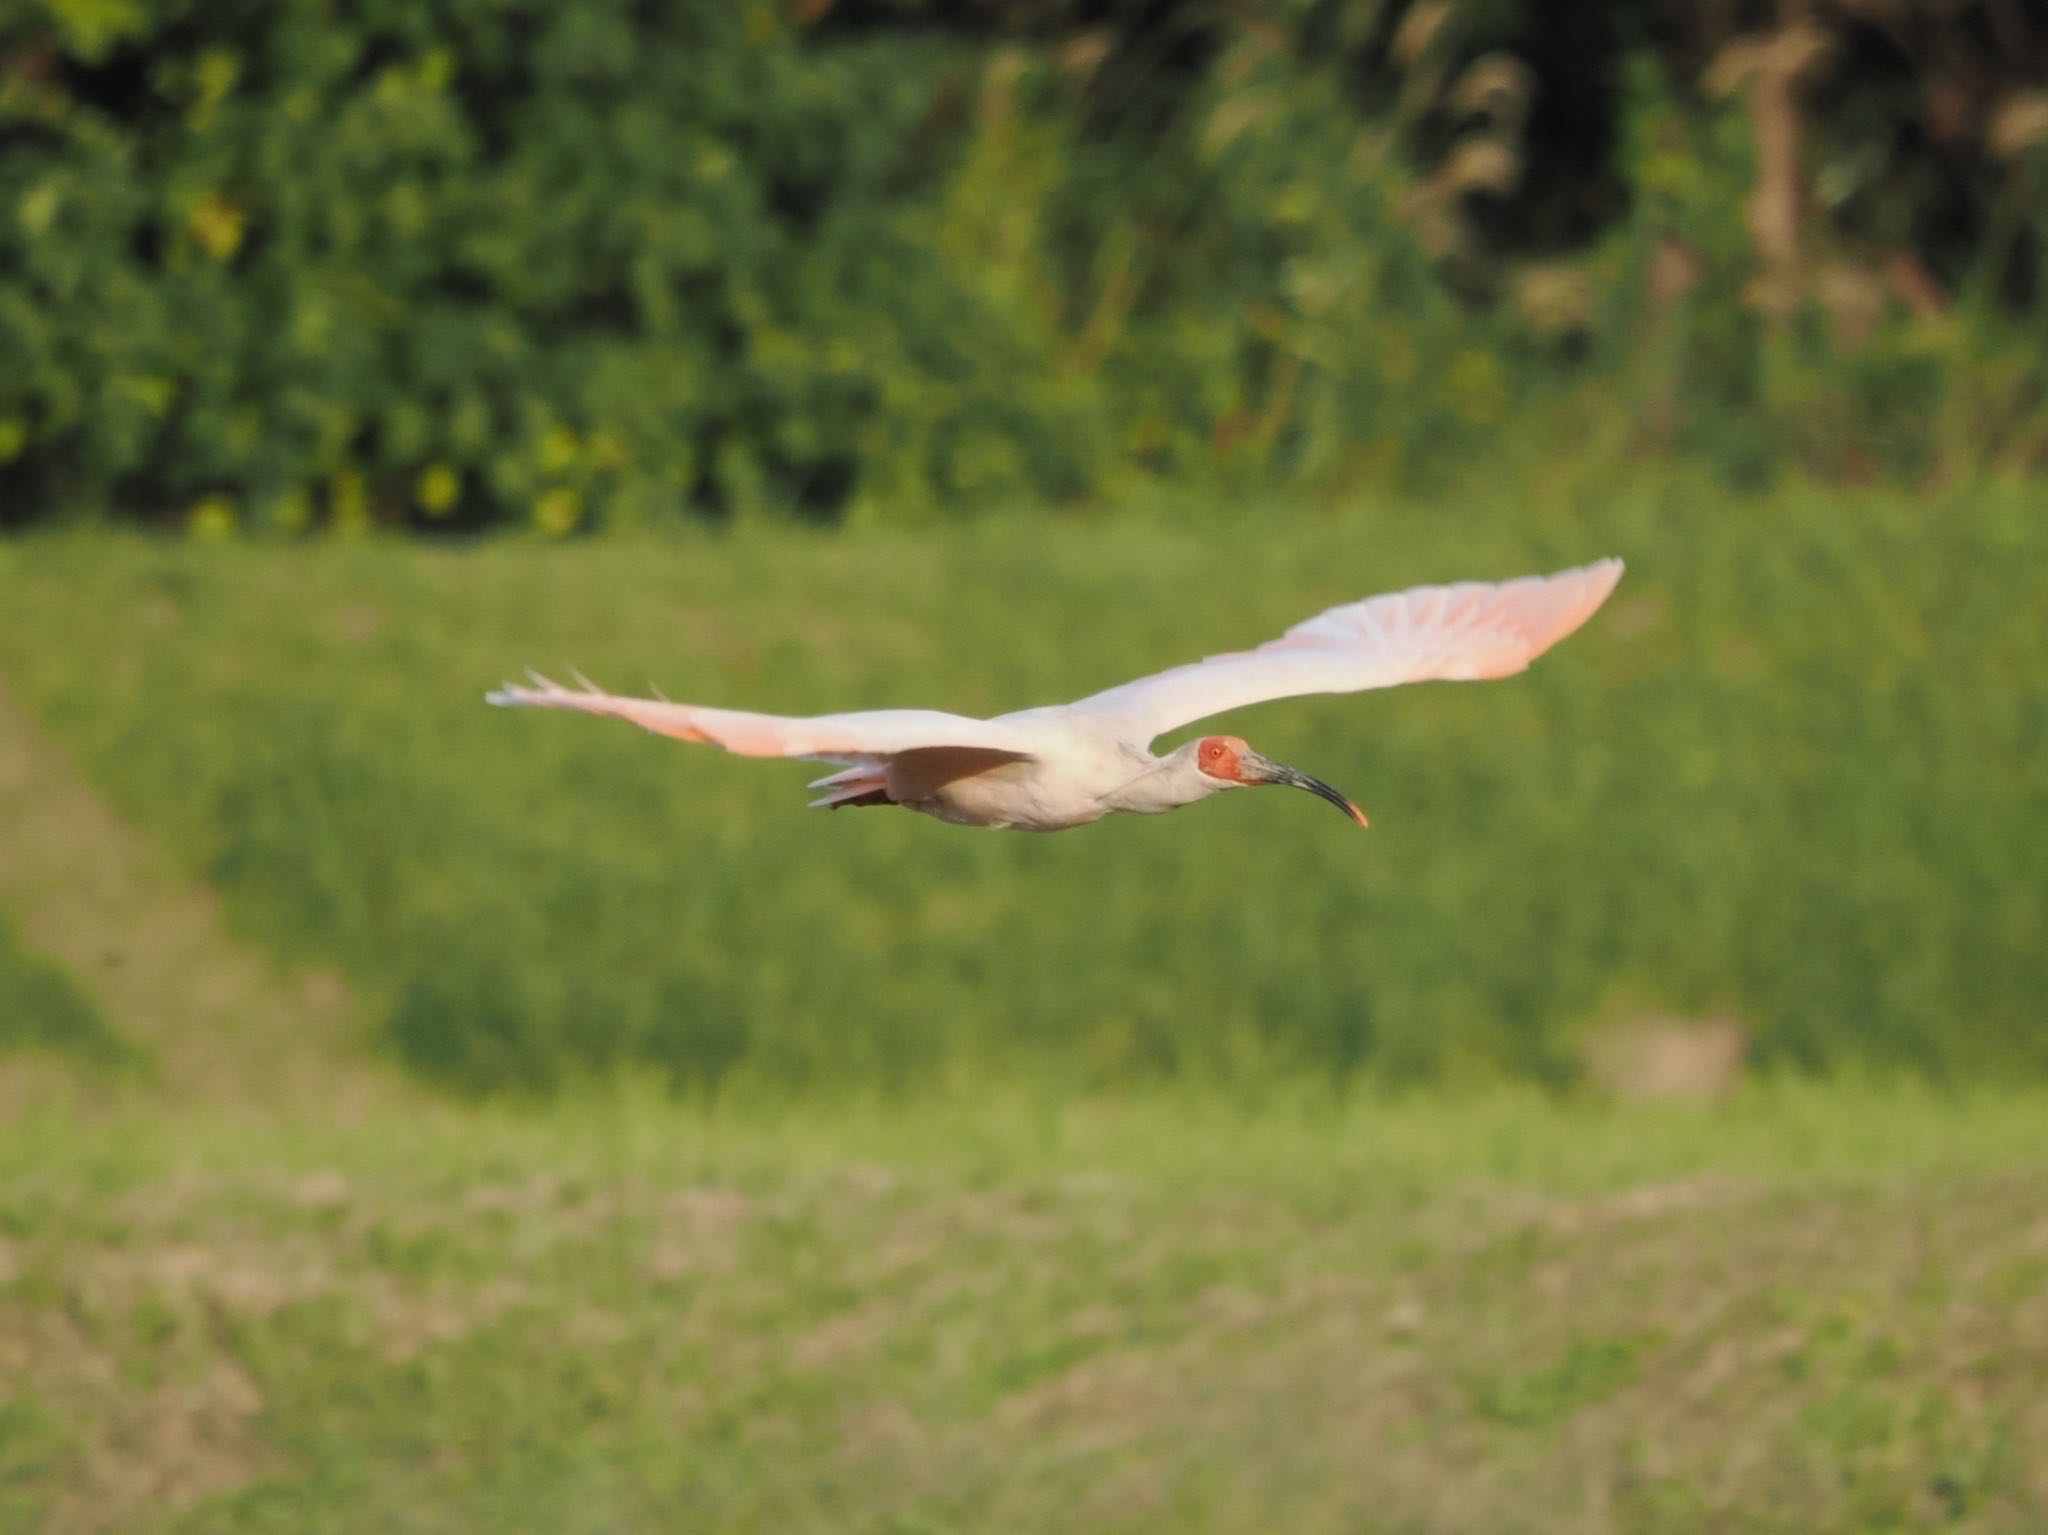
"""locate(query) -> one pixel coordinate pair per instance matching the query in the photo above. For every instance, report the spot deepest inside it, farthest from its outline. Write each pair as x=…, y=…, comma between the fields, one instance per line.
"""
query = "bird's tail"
x=865, y=783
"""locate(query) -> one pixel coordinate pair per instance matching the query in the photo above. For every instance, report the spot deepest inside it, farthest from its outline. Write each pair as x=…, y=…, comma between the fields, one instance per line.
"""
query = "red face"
x=1219, y=756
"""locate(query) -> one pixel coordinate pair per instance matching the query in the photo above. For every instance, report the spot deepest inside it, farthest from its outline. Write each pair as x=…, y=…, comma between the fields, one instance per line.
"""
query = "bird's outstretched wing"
x=829, y=737
x=1455, y=633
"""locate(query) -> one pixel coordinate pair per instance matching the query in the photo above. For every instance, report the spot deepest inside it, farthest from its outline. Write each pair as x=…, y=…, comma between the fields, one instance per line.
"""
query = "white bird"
x=1069, y=764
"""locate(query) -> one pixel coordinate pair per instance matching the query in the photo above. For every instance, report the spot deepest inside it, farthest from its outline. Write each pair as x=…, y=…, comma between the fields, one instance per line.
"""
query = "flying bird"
x=1069, y=764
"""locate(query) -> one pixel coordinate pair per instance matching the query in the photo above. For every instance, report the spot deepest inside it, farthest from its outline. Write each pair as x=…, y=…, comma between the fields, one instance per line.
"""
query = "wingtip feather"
x=510, y=695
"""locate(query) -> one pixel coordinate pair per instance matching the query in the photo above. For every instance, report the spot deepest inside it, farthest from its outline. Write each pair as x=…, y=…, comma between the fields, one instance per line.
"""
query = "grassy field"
x=1815, y=1310
x=419, y=1118
x=1790, y=777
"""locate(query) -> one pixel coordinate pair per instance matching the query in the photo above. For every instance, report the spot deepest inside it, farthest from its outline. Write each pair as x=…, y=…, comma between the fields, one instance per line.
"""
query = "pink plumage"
x=1047, y=769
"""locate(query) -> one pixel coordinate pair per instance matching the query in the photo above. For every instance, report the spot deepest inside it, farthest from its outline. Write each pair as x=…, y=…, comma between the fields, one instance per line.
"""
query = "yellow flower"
x=437, y=489
x=557, y=450
x=216, y=226
x=558, y=511
x=212, y=520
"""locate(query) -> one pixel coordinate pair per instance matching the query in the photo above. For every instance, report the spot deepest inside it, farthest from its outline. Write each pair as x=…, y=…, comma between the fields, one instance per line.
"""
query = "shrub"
x=447, y=263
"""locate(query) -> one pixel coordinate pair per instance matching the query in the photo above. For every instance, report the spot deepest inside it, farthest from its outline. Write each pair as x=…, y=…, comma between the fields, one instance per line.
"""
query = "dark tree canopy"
x=455, y=263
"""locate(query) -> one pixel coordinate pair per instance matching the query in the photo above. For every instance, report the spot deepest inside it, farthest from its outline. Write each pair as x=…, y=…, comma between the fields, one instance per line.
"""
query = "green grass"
x=1025, y=1184
x=1789, y=777
x=1818, y=1310
x=41, y=1009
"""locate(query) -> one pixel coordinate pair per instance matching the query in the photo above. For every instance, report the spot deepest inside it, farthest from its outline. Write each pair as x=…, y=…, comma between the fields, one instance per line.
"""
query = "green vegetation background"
x=488, y=262
x=1216, y=1172
x=1316, y=299
x=1789, y=777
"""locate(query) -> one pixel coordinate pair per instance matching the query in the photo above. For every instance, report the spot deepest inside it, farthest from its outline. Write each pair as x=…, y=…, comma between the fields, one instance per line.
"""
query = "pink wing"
x=832, y=737
x=1451, y=633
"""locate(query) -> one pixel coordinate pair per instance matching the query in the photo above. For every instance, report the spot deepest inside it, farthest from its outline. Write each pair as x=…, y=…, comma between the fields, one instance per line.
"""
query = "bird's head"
x=1228, y=762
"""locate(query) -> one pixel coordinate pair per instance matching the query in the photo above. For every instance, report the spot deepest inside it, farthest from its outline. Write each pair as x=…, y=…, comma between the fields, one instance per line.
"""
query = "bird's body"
x=1078, y=775
x=1048, y=769
x=1069, y=782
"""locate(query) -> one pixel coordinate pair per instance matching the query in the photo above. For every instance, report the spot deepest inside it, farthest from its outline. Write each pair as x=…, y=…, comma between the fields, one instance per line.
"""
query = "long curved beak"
x=1263, y=770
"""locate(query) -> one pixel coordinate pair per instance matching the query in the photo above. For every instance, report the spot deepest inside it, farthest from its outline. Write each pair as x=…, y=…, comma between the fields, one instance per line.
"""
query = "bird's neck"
x=1167, y=784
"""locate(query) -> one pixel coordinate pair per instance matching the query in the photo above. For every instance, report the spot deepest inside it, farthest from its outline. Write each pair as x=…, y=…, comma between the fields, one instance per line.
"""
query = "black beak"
x=1264, y=770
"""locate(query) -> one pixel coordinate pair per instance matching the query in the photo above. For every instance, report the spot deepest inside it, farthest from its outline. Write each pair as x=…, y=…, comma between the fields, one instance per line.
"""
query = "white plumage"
x=1050, y=768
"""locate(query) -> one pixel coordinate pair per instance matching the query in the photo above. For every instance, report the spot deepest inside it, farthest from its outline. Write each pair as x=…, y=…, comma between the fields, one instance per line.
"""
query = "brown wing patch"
x=921, y=774
x=872, y=797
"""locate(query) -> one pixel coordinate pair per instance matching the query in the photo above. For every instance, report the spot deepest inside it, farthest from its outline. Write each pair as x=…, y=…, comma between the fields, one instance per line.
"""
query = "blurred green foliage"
x=450, y=263
x=1788, y=777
